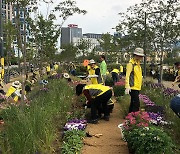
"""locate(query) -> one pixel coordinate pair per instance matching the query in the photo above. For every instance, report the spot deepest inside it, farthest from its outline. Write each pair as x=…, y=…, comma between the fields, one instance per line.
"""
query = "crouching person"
x=97, y=95
x=14, y=92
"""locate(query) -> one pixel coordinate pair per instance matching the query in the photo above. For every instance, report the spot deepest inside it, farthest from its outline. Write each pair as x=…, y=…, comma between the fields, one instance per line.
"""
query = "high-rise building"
x=70, y=32
x=92, y=35
x=7, y=11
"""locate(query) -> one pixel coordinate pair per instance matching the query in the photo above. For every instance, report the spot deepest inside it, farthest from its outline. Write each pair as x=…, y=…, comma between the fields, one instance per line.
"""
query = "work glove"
x=127, y=91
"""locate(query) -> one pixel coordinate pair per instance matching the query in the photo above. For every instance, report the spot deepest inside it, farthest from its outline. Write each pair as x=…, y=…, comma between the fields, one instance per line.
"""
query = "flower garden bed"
x=157, y=131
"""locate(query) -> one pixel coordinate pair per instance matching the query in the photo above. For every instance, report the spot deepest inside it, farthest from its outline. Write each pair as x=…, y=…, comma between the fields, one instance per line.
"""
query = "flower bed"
x=156, y=113
x=75, y=124
x=142, y=137
x=73, y=135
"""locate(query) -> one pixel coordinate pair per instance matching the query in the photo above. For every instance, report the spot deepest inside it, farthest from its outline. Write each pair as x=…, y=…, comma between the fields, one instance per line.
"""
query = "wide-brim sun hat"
x=16, y=84
x=92, y=61
x=66, y=76
x=139, y=52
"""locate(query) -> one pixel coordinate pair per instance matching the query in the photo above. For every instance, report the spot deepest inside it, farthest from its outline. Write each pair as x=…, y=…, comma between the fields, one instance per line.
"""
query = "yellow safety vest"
x=12, y=93
x=178, y=72
x=115, y=71
x=133, y=75
x=96, y=80
x=56, y=67
x=48, y=68
x=121, y=69
x=96, y=90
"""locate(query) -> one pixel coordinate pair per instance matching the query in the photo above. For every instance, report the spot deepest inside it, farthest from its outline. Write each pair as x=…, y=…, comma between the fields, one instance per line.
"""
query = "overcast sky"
x=102, y=15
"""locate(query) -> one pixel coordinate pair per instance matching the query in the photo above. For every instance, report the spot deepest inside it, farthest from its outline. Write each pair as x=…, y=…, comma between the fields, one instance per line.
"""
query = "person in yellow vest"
x=48, y=69
x=97, y=95
x=115, y=75
x=121, y=70
x=56, y=66
x=36, y=75
x=14, y=91
x=133, y=81
x=94, y=73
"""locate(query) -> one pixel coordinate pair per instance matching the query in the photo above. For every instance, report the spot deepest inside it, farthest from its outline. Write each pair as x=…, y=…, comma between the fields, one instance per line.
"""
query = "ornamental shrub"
x=118, y=90
x=149, y=140
x=109, y=81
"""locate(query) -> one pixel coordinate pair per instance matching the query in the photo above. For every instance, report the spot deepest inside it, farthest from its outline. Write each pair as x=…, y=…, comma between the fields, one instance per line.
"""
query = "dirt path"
x=110, y=142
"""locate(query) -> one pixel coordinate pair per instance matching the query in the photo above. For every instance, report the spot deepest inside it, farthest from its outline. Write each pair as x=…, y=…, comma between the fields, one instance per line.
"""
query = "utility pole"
x=1, y=30
x=145, y=27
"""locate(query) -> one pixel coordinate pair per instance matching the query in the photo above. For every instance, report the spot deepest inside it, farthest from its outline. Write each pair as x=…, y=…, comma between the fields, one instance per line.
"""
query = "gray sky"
x=102, y=15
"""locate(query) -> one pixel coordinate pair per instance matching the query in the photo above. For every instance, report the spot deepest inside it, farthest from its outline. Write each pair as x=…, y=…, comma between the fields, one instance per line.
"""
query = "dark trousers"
x=115, y=77
x=135, y=104
x=100, y=101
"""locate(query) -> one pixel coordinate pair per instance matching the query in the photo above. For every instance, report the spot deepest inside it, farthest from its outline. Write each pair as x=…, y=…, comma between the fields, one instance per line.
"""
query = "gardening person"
x=72, y=68
x=48, y=69
x=175, y=105
x=94, y=73
x=97, y=95
x=115, y=75
x=133, y=79
x=36, y=75
x=56, y=66
x=14, y=91
x=103, y=67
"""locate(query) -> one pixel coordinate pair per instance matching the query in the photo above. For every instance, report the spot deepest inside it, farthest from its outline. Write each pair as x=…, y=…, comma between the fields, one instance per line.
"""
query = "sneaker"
x=106, y=118
x=95, y=121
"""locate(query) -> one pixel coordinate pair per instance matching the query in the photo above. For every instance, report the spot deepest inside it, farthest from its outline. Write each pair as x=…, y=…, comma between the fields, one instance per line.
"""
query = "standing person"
x=103, y=68
x=94, y=73
x=133, y=79
x=121, y=71
x=177, y=79
x=97, y=95
x=158, y=73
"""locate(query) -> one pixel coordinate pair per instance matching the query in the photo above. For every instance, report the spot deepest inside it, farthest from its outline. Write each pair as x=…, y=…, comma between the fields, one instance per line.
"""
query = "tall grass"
x=34, y=128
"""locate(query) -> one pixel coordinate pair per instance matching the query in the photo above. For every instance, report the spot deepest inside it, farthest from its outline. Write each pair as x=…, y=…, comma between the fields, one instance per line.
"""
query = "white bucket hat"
x=139, y=52
x=66, y=76
x=16, y=84
x=92, y=61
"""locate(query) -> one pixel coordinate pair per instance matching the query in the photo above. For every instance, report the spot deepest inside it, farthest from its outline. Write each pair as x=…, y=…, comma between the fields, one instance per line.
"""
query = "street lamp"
x=1, y=30
x=1, y=41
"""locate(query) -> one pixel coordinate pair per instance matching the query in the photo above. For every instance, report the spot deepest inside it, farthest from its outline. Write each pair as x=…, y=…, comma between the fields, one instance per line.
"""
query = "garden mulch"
x=111, y=141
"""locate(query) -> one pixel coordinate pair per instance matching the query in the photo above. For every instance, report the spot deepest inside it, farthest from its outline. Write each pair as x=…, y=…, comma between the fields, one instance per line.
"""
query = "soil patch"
x=111, y=141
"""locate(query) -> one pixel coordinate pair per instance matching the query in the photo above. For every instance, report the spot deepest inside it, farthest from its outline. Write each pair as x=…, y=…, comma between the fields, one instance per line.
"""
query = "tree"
x=45, y=35
x=68, y=53
x=159, y=32
x=110, y=46
x=83, y=46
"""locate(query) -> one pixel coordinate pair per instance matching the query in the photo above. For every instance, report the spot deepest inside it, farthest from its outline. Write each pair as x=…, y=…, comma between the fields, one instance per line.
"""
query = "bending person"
x=97, y=95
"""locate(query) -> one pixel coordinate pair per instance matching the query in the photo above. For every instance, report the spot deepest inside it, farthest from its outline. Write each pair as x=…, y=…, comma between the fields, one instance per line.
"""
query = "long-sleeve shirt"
x=103, y=68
